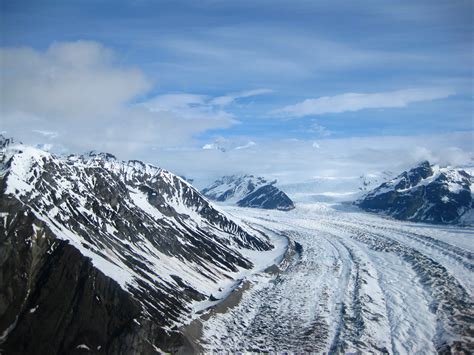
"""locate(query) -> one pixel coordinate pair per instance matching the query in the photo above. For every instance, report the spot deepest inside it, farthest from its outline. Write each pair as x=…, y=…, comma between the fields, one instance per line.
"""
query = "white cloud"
x=358, y=101
x=67, y=81
x=247, y=145
x=291, y=160
x=75, y=96
x=48, y=134
x=320, y=130
x=188, y=106
x=226, y=144
x=228, y=99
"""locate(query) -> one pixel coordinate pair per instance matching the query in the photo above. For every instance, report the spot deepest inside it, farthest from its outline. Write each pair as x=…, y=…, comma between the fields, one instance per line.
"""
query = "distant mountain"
x=234, y=187
x=107, y=255
x=425, y=193
x=249, y=191
x=267, y=197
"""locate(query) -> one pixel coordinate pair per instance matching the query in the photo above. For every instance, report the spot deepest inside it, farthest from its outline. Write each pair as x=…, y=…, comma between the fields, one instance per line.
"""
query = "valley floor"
x=358, y=282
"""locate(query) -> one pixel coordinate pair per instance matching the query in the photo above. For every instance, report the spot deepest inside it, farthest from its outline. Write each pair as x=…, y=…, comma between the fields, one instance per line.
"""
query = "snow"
x=361, y=282
x=353, y=266
x=261, y=261
x=26, y=161
x=141, y=201
x=83, y=346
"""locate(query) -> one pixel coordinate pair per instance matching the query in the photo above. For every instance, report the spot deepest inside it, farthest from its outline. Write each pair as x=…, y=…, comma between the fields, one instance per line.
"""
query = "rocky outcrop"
x=425, y=193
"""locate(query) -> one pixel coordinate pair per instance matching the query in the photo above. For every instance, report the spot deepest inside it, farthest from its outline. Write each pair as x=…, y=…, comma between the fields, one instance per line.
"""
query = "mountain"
x=248, y=191
x=425, y=193
x=107, y=255
x=267, y=197
x=233, y=188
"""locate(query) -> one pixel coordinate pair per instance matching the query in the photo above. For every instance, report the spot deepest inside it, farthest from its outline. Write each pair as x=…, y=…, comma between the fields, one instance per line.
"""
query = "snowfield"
x=357, y=282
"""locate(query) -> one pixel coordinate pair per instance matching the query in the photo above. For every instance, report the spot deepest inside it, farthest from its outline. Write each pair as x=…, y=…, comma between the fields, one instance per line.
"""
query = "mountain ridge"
x=149, y=236
x=425, y=193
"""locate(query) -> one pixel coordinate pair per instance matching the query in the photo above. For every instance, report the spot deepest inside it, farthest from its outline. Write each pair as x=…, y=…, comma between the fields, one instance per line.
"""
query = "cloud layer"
x=67, y=81
x=294, y=160
x=356, y=101
x=76, y=96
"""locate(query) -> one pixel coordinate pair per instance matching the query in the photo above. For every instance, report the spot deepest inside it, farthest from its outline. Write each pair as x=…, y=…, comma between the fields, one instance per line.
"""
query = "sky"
x=287, y=89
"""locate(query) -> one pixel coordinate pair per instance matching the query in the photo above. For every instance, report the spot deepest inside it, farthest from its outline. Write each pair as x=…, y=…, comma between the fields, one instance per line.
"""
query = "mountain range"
x=114, y=256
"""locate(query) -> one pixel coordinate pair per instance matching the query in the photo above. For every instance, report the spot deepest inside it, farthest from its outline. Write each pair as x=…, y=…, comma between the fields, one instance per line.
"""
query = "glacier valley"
x=106, y=256
x=357, y=282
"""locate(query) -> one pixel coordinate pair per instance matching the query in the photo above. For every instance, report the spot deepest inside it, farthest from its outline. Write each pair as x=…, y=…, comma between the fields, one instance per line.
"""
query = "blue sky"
x=265, y=57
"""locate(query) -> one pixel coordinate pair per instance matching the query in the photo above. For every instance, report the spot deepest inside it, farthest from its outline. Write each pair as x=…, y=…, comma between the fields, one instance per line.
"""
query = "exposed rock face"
x=267, y=197
x=106, y=255
x=425, y=193
x=249, y=191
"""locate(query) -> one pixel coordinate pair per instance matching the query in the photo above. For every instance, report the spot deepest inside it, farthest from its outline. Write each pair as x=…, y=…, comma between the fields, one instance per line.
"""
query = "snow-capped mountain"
x=248, y=191
x=425, y=193
x=234, y=187
x=106, y=254
x=268, y=197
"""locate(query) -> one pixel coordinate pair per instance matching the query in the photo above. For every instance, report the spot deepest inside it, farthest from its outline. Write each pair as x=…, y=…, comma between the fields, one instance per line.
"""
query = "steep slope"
x=249, y=191
x=267, y=197
x=107, y=255
x=425, y=193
